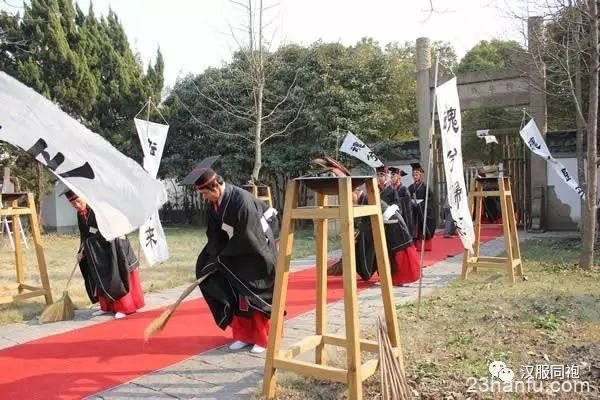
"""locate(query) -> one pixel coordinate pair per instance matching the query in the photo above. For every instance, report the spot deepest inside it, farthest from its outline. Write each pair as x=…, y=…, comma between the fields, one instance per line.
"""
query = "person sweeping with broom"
x=109, y=268
x=238, y=261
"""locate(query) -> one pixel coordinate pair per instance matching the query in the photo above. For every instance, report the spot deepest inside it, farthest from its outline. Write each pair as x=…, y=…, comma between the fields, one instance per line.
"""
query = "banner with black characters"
x=121, y=193
x=151, y=234
x=532, y=137
x=355, y=147
x=450, y=126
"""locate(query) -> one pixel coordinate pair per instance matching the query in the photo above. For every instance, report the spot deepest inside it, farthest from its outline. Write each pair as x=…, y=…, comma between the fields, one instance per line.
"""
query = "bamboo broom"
x=393, y=379
x=161, y=321
x=63, y=309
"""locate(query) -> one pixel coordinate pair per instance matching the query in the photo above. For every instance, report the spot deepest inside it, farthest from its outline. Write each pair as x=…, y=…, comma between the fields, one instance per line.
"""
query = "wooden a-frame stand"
x=512, y=260
x=24, y=290
x=354, y=373
x=262, y=192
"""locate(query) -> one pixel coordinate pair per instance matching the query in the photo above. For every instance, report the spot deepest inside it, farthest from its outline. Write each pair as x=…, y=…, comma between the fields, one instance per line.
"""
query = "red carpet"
x=442, y=248
x=85, y=361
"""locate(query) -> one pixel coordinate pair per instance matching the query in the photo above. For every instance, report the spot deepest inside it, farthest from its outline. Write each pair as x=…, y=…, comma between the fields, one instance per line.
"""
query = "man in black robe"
x=382, y=178
x=418, y=191
x=109, y=268
x=239, y=258
x=398, y=194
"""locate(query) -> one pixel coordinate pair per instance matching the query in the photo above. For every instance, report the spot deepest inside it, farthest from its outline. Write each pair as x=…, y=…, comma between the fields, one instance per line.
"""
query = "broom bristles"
x=62, y=310
x=336, y=269
x=159, y=323
x=393, y=379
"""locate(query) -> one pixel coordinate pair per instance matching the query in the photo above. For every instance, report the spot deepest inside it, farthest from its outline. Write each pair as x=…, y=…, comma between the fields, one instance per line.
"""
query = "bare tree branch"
x=282, y=132
x=284, y=99
x=578, y=105
x=432, y=11
x=235, y=113
x=202, y=123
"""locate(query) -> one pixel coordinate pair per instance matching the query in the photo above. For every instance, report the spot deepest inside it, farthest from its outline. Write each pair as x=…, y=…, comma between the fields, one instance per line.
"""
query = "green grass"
x=59, y=252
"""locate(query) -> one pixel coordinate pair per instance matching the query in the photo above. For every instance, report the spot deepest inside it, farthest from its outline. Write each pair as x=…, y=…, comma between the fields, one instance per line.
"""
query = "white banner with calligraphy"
x=355, y=147
x=153, y=241
x=151, y=235
x=533, y=138
x=450, y=126
x=121, y=193
x=152, y=137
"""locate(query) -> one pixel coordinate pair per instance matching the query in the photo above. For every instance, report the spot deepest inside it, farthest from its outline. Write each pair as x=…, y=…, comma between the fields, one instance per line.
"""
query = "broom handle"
x=71, y=276
x=73, y=270
x=191, y=288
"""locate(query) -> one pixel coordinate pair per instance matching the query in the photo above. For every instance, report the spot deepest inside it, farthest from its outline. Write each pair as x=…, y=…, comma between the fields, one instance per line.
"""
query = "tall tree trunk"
x=257, y=136
x=586, y=259
x=258, y=80
x=579, y=123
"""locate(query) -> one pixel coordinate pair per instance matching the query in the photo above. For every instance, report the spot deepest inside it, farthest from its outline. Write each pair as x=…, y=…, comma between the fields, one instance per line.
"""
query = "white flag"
x=153, y=241
x=450, y=126
x=152, y=137
x=119, y=191
x=151, y=235
x=534, y=140
x=355, y=147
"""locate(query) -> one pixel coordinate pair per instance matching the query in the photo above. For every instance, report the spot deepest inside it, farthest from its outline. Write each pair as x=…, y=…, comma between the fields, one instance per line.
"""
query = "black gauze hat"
x=202, y=174
x=417, y=167
x=396, y=170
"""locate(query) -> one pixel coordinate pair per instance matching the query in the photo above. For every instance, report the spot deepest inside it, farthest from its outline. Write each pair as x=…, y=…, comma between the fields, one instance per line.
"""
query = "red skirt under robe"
x=131, y=302
x=253, y=330
x=407, y=266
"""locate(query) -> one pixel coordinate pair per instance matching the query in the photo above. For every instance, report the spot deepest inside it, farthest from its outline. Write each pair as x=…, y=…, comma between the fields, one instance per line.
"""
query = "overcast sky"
x=195, y=34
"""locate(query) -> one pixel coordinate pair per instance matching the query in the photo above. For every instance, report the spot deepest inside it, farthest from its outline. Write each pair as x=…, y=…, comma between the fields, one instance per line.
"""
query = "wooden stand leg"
x=39, y=250
x=270, y=199
x=514, y=238
x=284, y=258
x=16, y=225
x=321, y=309
x=477, y=227
x=385, y=275
x=350, y=291
x=466, y=255
x=506, y=228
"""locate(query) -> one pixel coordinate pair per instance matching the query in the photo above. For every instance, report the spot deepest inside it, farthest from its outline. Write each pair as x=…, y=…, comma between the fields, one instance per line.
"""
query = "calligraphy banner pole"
x=429, y=164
